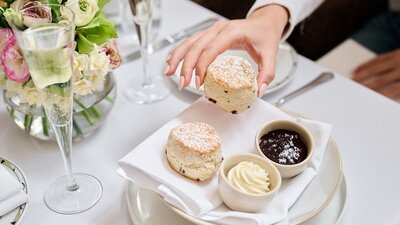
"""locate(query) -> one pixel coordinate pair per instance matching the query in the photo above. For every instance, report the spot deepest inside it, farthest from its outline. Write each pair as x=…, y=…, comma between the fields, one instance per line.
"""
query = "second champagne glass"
x=48, y=50
x=146, y=89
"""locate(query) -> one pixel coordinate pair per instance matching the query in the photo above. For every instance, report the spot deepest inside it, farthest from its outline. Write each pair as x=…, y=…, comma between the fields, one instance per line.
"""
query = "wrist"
x=273, y=15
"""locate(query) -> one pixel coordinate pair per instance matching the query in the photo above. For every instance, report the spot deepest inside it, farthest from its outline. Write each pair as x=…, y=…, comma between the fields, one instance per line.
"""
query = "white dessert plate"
x=285, y=66
x=145, y=206
x=14, y=217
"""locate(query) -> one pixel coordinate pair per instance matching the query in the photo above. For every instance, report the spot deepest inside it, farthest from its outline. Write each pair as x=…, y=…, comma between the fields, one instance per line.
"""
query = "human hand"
x=259, y=35
x=381, y=74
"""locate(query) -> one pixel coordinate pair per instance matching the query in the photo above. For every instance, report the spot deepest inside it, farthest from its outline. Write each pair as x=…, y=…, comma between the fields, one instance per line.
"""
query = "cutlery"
x=322, y=78
x=173, y=38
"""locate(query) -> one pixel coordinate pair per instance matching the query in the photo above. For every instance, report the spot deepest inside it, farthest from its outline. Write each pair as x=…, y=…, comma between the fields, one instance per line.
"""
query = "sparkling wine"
x=49, y=62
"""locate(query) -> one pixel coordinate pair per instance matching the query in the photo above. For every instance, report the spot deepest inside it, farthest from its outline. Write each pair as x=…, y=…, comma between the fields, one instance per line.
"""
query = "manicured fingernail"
x=181, y=82
x=166, y=69
x=262, y=89
x=197, y=80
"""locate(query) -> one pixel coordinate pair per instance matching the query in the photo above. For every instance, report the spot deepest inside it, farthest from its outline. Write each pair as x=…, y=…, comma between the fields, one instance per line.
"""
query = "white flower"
x=98, y=62
x=89, y=72
x=84, y=10
x=81, y=61
x=13, y=88
x=29, y=94
x=98, y=68
x=83, y=87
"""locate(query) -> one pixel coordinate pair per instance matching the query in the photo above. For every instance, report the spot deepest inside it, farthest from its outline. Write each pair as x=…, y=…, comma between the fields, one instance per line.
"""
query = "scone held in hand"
x=194, y=150
x=231, y=84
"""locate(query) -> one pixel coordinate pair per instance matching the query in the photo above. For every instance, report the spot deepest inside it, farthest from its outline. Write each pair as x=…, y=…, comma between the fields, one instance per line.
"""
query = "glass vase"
x=89, y=113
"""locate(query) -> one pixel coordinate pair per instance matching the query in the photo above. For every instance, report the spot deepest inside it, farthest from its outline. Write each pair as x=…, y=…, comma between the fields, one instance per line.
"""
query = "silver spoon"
x=322, y=78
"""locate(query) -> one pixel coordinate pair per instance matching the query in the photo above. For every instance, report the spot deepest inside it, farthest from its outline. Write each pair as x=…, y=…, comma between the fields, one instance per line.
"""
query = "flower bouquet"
x=95, y=57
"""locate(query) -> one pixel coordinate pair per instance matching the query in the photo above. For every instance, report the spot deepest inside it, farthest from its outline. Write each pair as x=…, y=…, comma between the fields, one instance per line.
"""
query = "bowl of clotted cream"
x=248, y=182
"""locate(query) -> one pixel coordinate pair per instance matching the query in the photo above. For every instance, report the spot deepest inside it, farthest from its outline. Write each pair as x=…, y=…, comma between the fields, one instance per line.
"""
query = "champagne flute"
x=147, y=89
x=48, y=51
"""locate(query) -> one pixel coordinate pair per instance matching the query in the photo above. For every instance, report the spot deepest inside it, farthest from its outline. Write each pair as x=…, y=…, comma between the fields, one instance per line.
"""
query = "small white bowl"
x=288, y=171
x=246, y=202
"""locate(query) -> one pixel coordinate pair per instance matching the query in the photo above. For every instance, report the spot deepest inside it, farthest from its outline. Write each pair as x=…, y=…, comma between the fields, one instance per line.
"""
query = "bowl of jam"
x=287, y=144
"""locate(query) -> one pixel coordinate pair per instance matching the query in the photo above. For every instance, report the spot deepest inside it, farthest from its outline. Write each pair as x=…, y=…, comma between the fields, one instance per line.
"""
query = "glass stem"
x=144, y=43
x=64, y=140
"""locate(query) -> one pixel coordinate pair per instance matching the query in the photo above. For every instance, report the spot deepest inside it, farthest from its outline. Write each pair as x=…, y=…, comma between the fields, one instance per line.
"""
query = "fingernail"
x=197, y=80
x=181, y=82
x=262, y=89
x=166, y=69
x=168, y=57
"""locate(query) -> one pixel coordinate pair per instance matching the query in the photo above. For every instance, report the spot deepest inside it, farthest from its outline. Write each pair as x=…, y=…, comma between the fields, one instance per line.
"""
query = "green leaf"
x=55, y=2
x=84, y=45
x=101, y=3
x=99, y=31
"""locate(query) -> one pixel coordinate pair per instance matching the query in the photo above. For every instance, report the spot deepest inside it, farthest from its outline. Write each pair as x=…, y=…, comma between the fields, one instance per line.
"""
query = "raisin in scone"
x=230, y=83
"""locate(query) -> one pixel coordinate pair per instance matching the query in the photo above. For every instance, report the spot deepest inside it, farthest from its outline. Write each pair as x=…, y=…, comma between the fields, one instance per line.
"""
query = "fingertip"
x=181, y=83
x=172, y=65
x=201, y=74
x=166, y=70
x=266, y=78
x=197, y=81
x=261, y=89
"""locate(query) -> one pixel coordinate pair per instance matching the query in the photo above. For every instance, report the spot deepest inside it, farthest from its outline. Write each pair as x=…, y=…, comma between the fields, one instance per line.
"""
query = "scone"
x=194, y=150
x=231, y=84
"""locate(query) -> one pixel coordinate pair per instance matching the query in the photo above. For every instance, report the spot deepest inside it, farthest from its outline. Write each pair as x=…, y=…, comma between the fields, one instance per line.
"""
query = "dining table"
x=366, y=127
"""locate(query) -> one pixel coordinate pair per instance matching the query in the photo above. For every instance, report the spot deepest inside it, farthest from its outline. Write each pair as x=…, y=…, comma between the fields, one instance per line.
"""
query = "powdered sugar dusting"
x=198, y=136
x=234, y=71
x=290, y=152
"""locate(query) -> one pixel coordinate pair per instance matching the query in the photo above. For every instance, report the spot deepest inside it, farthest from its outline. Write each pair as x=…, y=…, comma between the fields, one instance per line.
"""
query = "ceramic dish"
x=237, y=199
x=14, y=217
x=292, y=170
x=285, y=67
x=146, y=208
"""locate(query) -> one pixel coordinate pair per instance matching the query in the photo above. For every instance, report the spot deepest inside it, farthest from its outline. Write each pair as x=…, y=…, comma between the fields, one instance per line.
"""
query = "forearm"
x=297, y=10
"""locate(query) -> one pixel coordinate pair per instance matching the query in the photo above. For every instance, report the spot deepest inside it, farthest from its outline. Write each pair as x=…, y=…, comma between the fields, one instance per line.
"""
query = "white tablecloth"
x=366, y=127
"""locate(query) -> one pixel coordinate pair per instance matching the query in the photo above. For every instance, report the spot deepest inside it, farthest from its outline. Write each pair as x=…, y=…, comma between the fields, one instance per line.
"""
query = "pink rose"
x=11, y=60
x=5, y=35
x=36, y=14
x=112, y=53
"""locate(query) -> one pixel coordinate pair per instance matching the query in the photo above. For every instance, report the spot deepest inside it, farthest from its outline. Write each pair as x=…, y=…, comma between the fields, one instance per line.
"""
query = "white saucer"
x=152, y=211
x=285, y=66
x=145, y=206
x=14, y=217
x=326, y=189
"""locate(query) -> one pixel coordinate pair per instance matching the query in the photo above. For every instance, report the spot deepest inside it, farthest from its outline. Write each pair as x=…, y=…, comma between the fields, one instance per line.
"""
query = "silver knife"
x=173, y=38
x=322, y=78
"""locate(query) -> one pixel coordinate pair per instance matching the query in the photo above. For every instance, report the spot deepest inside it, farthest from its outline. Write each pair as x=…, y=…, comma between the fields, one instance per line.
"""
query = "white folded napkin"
x=11, y=194
x=147, y=164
